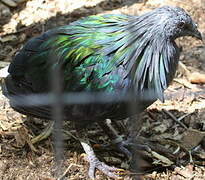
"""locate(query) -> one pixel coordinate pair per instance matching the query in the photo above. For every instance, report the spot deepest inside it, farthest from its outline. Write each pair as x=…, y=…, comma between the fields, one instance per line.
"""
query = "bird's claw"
x=112, y=172
x=120, y=172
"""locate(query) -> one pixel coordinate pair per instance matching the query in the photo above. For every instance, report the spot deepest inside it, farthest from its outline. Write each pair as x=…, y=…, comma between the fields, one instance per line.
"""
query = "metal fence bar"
x=57, y=113
x=80, y=98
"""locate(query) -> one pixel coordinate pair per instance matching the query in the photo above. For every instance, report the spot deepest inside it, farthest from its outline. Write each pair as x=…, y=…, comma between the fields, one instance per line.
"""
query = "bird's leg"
x=44, y=134
x=117, y=140
x=94, y=162
x=120, y=127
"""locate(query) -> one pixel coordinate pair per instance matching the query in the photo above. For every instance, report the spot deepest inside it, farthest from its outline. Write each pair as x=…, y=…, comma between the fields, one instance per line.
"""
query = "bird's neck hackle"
x=153, y=62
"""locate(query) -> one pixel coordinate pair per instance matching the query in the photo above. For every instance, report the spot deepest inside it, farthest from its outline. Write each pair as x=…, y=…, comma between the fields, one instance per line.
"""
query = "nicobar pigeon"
x=101, y=53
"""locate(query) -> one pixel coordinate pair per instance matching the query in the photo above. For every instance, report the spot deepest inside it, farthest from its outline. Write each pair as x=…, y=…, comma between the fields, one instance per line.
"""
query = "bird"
x=110, y=53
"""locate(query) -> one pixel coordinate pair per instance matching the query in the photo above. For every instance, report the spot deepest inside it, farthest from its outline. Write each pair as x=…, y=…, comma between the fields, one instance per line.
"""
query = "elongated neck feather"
x=152, y=58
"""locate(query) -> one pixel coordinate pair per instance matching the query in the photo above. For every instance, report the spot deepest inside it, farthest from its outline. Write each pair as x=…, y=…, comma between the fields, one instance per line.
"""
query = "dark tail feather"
x=13, y=89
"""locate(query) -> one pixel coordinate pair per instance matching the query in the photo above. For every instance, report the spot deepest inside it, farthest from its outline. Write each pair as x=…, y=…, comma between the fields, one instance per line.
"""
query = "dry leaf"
x=191, y=138
x=5, y=125
x=185, y=83
x=160, y=128
x=23, y=137
x=185, y=172
x=163, y=159
x=8, y=38
x=197, y=78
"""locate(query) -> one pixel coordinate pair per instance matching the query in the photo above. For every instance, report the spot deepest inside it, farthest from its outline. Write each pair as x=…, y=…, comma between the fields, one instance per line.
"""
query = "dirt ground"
x=170, y=130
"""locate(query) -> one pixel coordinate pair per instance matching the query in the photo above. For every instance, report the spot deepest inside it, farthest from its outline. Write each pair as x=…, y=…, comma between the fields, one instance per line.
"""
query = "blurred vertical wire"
x=57, y=110
x=132, y=108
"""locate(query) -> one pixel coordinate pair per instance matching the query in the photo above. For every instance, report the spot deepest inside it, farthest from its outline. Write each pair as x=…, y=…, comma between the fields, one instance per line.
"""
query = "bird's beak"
x=197, y=35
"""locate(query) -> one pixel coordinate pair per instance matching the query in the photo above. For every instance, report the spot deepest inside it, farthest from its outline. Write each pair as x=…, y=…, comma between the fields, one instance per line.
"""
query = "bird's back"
x=81, y=49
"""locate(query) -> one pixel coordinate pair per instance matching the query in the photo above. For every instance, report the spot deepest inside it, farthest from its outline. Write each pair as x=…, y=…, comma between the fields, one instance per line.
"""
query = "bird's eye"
x=181, y=25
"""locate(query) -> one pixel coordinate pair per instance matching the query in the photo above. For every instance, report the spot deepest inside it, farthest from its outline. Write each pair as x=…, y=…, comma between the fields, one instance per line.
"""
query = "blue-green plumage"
x=102, y=53
x=107, y=53
x=91, y=51
x=88, y=50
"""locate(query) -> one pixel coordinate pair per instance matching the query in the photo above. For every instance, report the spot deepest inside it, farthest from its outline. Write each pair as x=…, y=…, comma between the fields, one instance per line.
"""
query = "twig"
x=182, y=117
x=184, y=83
x=66, y=171
x=46, y=133
x=70, y=134
x=175, y=119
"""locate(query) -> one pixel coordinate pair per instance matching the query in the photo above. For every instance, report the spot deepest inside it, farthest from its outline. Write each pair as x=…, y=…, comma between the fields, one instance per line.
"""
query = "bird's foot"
x=123, y=146
x=96, y=164
x=118, y=141
x=110, y=171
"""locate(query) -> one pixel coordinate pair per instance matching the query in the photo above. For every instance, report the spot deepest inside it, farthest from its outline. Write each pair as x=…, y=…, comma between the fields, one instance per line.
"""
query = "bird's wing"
x=80, y=48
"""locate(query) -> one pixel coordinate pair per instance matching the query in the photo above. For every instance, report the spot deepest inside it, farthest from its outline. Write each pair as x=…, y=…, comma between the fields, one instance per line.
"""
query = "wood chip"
x=197, y=78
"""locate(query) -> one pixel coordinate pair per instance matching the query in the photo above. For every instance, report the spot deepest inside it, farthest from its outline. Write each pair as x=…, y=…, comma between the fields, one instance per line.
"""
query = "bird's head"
x=174, y=22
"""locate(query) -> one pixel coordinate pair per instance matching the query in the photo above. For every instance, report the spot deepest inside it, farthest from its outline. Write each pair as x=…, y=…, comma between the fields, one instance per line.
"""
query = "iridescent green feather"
x=82, y=46
x=93, y=47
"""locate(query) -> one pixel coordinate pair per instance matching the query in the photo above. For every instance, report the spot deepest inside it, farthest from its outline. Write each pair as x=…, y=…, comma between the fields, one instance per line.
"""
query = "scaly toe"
x=107, y=170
